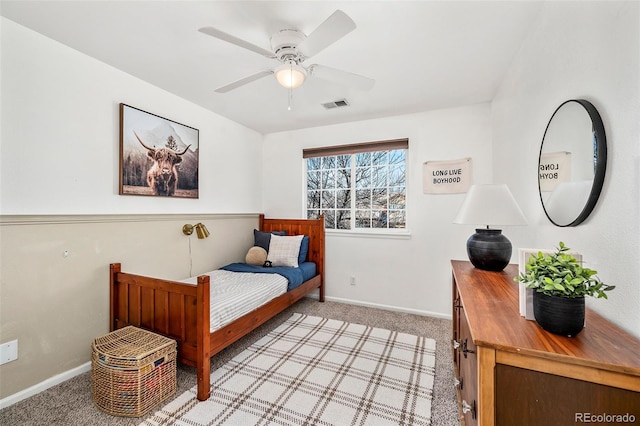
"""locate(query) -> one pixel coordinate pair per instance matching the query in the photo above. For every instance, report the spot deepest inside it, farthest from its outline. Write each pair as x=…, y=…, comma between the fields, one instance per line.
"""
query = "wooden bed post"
x=321, y=290
x=203, y=362
x=320, y=260
x=115, y=269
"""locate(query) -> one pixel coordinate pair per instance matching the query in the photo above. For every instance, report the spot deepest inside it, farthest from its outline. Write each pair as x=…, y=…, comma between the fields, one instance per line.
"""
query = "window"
x=360, y=186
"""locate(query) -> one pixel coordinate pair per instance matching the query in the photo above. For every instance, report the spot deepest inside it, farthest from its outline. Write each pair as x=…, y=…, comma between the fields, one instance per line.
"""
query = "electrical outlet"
x=8, y=352
x=352, y=281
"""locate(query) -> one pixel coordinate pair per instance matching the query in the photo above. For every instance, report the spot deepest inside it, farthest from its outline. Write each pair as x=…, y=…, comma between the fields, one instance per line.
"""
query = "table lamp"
x=489, y=205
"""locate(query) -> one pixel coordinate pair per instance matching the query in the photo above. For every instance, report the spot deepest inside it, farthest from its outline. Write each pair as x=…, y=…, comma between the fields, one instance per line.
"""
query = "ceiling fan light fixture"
x=290, y=75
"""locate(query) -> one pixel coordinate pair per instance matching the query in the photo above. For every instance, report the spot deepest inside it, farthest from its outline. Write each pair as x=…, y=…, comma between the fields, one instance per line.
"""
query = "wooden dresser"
x=511, y=372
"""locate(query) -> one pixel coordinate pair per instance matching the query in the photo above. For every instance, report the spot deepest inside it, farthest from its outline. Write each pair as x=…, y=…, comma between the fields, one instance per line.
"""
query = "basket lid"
x=131, y=342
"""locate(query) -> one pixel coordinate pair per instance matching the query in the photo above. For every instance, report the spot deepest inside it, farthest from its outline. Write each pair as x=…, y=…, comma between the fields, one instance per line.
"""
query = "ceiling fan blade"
x=243, y=81
x=331, y=30
x=214, y=32
x=355, y=81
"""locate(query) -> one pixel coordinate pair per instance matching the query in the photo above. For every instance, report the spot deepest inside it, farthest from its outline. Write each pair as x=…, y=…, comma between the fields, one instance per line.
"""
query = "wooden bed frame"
x=181, y=311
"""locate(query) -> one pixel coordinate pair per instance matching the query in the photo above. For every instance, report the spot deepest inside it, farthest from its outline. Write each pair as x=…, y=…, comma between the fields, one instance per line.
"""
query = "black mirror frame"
x=600, y=158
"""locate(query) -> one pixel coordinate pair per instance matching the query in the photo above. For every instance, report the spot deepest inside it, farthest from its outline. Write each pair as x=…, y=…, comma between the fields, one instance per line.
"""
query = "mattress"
x=234, y=294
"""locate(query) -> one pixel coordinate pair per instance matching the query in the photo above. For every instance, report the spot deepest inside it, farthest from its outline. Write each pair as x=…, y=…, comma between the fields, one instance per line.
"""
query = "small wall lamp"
x=201, y=230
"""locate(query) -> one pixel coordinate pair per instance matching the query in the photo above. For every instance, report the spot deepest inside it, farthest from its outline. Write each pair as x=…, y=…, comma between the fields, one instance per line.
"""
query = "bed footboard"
x=170, y=308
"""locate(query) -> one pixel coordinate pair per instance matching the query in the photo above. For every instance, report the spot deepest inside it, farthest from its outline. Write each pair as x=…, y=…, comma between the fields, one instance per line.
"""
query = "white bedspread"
x=234, y=294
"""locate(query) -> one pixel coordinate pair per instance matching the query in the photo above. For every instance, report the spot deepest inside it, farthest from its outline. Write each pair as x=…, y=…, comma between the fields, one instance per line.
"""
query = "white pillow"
x=283, y=251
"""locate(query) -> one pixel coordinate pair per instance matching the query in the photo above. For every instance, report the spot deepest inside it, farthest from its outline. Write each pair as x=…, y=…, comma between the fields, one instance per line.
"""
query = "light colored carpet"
x=316, y=371
x=70, y=403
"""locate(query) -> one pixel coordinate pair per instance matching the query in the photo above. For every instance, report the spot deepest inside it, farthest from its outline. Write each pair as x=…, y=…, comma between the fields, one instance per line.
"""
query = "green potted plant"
x=560, y=284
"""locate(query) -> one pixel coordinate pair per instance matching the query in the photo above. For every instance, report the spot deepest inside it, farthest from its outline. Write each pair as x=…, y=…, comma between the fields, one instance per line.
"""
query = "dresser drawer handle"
x=458, y=383
x=466, y=351
x=466, y=408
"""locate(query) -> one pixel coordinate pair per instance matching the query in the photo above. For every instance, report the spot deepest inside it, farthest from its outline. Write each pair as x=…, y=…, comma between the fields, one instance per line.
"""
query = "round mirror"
x=572, y=163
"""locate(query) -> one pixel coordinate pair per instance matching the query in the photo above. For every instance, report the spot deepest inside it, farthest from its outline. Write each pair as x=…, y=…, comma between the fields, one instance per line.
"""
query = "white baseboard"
x=42, y=386
x=389, y=307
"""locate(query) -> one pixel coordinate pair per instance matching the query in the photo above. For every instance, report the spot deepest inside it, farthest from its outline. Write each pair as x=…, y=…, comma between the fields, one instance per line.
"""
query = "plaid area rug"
x=317, y=371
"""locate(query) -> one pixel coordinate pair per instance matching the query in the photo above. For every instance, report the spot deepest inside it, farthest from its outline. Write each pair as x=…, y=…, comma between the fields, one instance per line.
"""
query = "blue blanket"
x=294, y=275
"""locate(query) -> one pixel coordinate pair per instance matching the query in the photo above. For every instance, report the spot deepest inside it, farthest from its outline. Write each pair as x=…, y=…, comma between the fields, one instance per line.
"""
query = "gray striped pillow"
x=283, y=251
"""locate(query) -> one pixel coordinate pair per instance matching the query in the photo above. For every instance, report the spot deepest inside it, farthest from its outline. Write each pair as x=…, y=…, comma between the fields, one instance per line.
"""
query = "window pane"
x=397, y=156
x=343, y=219
x=343, y=199
x=363, y=159
x=328, y=199
x=397, y=219
x=328, y=162
x=379, y=198
x=313, y=214
x=363, y=218
x=313, y=180
x=379, y=219
x=397, y=198
x=328, y=179
x=329, y=219
x=379, y=158
x=343, y=178
x=343, y=161
x=313, y=163
x=313, y=199
x=363, y=199
x=379, y=177
x=397, y=176
x=363, y=177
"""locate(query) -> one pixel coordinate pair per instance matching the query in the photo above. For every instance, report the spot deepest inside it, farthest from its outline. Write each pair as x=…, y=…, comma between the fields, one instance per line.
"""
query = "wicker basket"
x=132, y=371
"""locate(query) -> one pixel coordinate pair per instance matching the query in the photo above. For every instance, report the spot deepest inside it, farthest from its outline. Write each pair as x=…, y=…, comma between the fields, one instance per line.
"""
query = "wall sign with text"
x=554, y=168
x=447, y=177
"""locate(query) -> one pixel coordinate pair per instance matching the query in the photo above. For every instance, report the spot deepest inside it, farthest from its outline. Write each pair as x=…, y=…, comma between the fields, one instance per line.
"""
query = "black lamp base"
x=489, y=250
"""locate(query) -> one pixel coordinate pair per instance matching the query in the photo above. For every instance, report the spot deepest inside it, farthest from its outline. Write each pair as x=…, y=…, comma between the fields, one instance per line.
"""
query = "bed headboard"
x=314, y=228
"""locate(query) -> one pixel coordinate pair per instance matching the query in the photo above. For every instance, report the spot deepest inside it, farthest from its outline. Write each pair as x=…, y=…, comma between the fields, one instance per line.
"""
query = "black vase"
x=489, y=249
x=559, y=315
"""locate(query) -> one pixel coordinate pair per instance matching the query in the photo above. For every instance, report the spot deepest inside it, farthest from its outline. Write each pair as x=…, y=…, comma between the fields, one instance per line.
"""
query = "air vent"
x=336, y=104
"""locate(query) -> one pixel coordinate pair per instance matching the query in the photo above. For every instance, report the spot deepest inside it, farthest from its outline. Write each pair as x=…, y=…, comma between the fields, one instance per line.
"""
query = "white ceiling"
x=423, y=55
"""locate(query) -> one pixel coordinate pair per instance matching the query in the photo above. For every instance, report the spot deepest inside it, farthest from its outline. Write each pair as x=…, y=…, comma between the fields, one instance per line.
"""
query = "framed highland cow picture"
x=158, y=156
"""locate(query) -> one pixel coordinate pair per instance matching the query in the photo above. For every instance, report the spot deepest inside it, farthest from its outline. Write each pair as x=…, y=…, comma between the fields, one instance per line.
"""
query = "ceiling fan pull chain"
x=290, y=85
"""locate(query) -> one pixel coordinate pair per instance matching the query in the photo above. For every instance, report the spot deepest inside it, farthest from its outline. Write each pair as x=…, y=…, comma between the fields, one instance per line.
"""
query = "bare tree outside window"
x=359, y=190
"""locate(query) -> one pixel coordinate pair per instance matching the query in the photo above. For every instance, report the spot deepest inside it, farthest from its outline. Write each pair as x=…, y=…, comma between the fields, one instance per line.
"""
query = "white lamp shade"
x=290, y=75
x=490, y=205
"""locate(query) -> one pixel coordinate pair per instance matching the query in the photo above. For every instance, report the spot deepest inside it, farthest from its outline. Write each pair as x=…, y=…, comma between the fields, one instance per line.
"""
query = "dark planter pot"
x=559, y=315
x=489, y=249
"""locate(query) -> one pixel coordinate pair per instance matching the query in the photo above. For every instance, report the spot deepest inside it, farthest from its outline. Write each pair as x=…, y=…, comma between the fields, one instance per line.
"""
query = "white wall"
x=411, y=273
x=584, y=50
x=59, y=152
x=60, y=143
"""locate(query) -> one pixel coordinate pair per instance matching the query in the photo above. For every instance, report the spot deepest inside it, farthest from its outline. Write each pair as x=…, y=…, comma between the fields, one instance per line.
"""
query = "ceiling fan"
x=291, y=48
